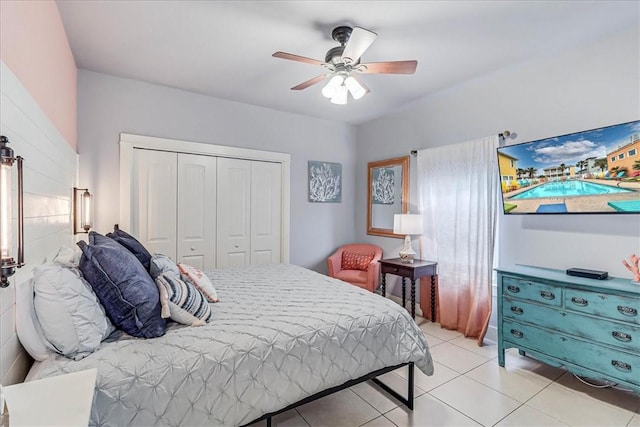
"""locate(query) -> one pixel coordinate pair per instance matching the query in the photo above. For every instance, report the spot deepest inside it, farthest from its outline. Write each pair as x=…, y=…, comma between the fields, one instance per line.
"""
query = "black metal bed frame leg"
x=269, y=422
x=410, y=390
x=408, y=401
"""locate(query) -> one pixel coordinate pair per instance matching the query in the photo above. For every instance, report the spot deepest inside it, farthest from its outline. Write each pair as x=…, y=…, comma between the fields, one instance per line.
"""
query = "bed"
x=279, y=335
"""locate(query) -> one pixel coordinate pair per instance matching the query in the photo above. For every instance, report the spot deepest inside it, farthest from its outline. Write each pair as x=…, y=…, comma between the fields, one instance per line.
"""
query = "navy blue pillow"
x=130, y=242
x=123, y=286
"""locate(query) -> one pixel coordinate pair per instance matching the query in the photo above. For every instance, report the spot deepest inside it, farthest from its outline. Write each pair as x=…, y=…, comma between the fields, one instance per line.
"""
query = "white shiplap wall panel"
x=50, y=172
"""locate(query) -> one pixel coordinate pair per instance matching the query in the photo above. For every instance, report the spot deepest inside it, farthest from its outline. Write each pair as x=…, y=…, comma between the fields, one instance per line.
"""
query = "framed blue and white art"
x=325, y=182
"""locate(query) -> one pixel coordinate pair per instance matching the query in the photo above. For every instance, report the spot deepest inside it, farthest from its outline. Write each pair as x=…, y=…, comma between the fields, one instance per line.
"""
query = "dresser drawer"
x=617, y=334
x=613, y=364
x=534, y=291
x=611, y=306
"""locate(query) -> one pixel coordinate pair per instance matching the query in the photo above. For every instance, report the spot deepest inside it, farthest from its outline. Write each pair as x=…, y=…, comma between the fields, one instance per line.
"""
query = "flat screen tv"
x=595, y=171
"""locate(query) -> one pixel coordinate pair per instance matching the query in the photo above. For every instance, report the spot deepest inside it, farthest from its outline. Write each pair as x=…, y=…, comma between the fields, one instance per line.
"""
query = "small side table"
x=64, y=400
x=419, y=268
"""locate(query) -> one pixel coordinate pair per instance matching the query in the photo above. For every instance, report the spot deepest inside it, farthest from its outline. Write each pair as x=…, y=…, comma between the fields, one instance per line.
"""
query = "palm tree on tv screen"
x=601, y=163
x=532, y=172
x=562, y=167
x=636, y=165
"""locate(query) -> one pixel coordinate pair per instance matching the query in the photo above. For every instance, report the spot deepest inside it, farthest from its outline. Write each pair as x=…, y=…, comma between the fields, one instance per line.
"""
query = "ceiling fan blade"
x=391, y=67
x=292, y=57
x=359, y=41
x=359, y=80
x=310, y=82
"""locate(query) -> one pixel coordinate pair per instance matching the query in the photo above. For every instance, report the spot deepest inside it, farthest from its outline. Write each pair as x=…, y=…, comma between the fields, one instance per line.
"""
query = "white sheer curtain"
x=458, y=190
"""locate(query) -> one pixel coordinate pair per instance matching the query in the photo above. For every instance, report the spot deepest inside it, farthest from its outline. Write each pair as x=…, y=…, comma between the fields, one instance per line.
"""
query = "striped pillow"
x=181, y=301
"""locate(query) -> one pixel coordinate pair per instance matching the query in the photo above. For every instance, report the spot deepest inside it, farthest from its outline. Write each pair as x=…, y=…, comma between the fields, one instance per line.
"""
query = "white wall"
x=565, y=92
x=50, y=169
x=109, y=105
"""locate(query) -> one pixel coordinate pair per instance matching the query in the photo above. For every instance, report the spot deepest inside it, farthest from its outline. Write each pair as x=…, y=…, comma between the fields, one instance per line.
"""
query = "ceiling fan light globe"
x=331, y=88
x=357, y=91
x=340, y=97
x=336, y=81
x=328, y=91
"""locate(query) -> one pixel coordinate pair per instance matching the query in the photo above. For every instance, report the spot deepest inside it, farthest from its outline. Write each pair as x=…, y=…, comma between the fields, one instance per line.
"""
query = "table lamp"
x=407, y=224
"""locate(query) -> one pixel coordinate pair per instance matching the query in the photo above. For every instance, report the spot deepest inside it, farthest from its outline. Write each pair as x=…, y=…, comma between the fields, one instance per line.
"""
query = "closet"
x=205, y=205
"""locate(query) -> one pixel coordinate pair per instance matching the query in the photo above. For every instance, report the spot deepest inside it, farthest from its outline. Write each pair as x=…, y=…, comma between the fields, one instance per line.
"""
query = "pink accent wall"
x=34, y=45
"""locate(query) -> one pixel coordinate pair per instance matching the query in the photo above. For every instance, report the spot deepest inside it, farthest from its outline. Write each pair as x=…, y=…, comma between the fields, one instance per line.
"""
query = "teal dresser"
x=590, y=326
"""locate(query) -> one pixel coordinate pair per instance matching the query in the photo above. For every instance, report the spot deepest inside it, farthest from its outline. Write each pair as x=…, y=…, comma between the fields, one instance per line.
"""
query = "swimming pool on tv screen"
x=567, y=189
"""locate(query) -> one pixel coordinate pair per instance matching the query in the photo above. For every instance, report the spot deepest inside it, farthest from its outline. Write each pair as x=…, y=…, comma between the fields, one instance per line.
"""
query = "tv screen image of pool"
x=595, y=171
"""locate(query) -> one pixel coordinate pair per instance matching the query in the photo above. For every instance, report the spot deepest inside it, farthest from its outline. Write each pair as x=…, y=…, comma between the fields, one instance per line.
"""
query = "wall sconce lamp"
x=82, y=210
x=407, y=224
x=8, y=264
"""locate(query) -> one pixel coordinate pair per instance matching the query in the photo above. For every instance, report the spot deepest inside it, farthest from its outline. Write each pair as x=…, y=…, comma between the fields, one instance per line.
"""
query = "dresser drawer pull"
x=518, y=334
x=621, y=336
x=627, y=311
x=547, y=295
x=513, y=289
x=621, y=366
x=516, y=310
x=580, y=302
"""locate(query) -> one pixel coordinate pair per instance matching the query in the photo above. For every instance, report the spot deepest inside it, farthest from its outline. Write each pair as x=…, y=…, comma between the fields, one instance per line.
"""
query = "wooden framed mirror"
x=388, y=195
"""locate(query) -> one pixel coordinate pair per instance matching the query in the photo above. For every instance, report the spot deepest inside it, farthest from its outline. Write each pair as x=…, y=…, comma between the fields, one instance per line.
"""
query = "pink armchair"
x=365, y=275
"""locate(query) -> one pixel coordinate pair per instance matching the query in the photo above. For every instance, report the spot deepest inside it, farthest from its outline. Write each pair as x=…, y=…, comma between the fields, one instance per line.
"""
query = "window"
x=513, y=164
x=507, y=178
x=613, y=158
x=632, y=152
x=620, y=156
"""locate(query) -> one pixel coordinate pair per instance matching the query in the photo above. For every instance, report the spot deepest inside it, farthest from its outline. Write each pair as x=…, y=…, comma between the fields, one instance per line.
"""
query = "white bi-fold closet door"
x=206, y=211
x=174, y=205
x=249, y=212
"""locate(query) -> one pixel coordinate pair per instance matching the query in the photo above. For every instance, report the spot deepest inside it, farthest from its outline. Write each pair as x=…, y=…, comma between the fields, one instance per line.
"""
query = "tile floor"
x=468, y=388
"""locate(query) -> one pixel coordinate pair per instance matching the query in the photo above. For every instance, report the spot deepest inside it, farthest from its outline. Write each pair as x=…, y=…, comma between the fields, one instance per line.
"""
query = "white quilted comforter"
x=280, y=333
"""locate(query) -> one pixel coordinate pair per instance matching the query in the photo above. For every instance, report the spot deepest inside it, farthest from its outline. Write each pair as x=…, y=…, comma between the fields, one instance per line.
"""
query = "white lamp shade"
x=331, y=88
x=340, y=96
x=5, y=210
x=357, y=91
x=407, y=224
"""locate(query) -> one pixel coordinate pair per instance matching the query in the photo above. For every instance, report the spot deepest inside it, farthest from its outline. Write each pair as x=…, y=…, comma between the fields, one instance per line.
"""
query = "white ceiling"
x=223, y=48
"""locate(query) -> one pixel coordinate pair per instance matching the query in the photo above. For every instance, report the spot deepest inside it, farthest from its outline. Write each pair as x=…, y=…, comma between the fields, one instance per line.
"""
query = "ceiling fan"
x=343, y=65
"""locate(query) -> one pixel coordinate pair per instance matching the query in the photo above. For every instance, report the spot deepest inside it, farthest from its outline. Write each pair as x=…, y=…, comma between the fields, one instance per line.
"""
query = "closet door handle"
x=516, y=310
x=580, y=302
x=621, y=366
x=516, y=333
x=513, y=289
x=547, y=295
x=621, y=336
x=627, y=311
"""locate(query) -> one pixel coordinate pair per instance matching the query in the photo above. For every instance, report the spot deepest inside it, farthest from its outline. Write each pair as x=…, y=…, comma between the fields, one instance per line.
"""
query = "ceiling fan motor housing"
x=341, y=34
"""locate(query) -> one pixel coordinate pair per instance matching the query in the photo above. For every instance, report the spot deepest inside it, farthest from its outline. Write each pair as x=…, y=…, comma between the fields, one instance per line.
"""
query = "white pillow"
x=72, y=319
x=68, y=257
x=200, y=280
x=27, y=325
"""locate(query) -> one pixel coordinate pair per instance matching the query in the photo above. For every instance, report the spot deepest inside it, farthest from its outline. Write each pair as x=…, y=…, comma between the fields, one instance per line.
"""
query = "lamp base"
x=407, y=258
x=407, y=253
